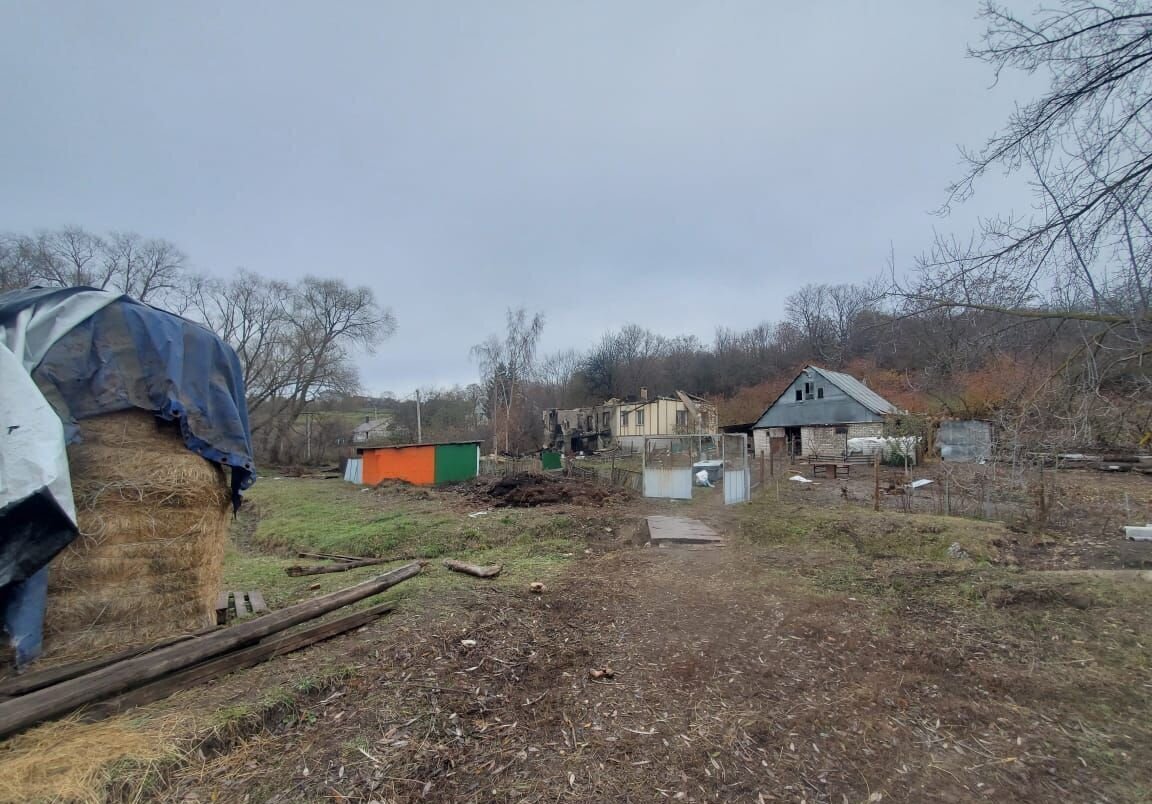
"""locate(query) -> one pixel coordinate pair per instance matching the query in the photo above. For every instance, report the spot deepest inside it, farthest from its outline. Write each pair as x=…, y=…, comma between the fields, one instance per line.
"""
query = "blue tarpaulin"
x=90, y=353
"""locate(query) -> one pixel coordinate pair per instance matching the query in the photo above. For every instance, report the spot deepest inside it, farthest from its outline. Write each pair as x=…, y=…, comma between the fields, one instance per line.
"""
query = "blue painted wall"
x=836, y=407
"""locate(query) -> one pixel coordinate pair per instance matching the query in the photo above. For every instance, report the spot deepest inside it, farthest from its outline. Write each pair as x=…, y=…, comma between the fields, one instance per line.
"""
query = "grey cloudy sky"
x=672, y=163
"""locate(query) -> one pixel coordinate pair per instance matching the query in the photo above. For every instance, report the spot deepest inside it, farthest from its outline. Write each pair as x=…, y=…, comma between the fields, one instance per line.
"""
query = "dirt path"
x=732, y=680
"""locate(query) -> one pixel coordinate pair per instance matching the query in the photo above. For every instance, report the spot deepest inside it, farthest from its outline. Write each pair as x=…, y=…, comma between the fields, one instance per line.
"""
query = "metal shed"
x=421, y=464
x=964, y=440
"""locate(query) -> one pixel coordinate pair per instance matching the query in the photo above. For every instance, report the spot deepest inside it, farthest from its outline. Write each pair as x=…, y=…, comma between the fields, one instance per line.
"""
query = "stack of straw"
x=153, y=520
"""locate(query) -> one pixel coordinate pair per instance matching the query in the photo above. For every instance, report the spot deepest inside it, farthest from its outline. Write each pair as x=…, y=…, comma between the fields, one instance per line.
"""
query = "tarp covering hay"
x=153, y=520
x=153, y=410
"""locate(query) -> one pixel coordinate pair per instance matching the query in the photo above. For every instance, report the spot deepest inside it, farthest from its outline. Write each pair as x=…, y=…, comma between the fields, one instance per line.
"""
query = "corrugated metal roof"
x=857, y=390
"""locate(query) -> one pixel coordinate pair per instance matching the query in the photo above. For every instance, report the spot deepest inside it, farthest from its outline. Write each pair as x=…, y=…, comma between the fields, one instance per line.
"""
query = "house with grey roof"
x=817, y=414
x=371, y=430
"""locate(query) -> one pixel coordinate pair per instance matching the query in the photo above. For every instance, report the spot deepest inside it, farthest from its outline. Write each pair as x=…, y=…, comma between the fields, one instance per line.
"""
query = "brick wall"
x=760, y=441
x=821, y=441
x=866, y=430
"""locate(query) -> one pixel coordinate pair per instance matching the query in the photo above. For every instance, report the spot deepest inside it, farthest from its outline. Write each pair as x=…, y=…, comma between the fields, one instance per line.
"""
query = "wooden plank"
x=54, y=675
x=19, y=713
x=230, y=662
x=474, y=570
x=222, y=608
x=242, y=612
x=680, y=530
x=256, y=597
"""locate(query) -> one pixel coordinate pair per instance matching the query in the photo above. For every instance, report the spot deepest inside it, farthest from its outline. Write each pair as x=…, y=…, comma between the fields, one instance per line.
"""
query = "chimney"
x=643, y=394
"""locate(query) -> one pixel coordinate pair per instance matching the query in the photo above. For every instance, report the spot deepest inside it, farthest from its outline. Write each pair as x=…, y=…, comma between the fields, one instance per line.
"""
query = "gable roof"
x=851, y=386
x=857, y=390
x=367, y=427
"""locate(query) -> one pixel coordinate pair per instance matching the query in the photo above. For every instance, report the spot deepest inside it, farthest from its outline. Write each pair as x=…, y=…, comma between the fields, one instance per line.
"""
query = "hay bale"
x=153, y=520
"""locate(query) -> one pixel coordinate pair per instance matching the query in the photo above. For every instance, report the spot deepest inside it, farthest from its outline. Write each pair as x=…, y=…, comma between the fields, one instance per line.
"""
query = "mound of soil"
x=530, y=490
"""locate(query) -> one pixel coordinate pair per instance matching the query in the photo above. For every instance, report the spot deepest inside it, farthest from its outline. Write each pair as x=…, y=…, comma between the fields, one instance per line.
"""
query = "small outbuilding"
x=419, y=464
x=964, y=440
x=817, y=414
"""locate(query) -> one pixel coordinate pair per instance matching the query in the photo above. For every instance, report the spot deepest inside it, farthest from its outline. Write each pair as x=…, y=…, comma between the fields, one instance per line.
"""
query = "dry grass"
x=70, y=762
x=153, y=519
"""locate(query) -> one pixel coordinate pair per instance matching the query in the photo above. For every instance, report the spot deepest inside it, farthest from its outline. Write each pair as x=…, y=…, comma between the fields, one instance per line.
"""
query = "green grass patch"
x=286, y=516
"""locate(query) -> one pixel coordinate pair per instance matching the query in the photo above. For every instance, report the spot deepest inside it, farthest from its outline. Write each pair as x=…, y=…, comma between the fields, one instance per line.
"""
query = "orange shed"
x=420, y=464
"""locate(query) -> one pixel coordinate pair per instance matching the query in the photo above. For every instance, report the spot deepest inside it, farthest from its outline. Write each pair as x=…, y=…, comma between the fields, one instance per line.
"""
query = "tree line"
x=295, y=340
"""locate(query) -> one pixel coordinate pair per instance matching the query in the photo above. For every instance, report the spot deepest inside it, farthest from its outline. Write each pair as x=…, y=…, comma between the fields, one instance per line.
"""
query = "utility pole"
x=419, y=430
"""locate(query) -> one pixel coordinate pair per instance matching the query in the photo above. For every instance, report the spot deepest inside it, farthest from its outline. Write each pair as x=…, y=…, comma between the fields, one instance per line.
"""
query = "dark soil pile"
x=530, y=490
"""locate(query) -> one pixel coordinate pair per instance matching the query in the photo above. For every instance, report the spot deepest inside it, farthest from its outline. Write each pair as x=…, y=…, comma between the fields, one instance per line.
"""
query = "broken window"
x=604, y=420
x=640, y=417
x=681, y=418
x=799, y=395
x=624, y=418
x=819, y=393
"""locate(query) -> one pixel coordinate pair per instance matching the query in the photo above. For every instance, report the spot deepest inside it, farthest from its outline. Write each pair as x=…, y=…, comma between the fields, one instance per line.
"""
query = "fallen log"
x=332, y=556
x=490, y=571
x=344, y=566
x=230, y=662
x=33, y=707
x=54, y=675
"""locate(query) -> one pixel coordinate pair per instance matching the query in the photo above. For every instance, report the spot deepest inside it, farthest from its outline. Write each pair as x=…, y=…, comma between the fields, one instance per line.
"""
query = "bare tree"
x=846, y=306
x=808, y=310
x=556, y=372
x=506, y=365
x=250, y=313
x=16, y=270
x=146, y=269
x=295, y=342
x=1085, y=257
x=149, y=270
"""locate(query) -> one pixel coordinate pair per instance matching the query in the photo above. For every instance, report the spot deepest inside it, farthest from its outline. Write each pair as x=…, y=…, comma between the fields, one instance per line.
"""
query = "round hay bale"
x=153, y=520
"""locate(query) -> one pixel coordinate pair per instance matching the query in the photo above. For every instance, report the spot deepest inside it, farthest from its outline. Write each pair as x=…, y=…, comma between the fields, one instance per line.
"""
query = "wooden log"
x=344, y=566
x=230, y=662
x=54, y=675
x=19, y=713
x=333, y=556
x=472, y=569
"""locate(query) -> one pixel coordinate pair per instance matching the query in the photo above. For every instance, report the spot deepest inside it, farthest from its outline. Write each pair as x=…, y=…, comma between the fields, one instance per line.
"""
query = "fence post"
x=876, y=481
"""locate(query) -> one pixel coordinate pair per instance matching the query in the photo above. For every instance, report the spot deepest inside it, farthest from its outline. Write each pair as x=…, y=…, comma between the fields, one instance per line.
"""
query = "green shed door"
x=455, y=462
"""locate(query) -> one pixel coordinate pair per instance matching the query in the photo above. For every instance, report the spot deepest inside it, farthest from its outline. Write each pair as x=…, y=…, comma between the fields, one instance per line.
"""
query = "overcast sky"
x=680, y=165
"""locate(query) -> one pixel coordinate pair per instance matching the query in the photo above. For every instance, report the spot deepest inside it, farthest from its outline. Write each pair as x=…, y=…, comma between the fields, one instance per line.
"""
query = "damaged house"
x=625, y=424
x=817, y=414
